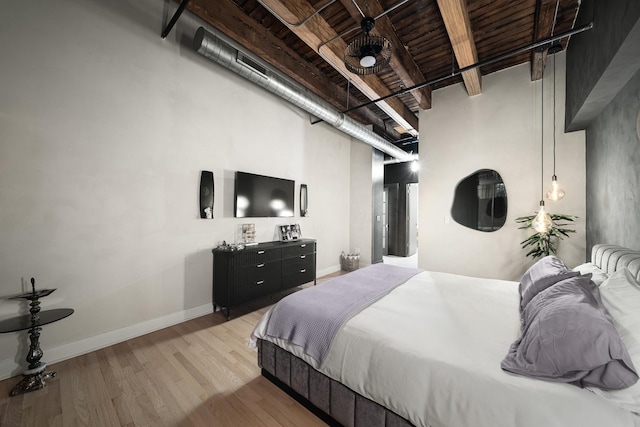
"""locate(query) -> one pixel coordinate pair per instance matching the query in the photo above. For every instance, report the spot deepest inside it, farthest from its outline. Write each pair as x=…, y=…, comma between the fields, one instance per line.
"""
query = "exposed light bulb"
x=415, y=166
x=368, y=61
x=556, y=193
x=542, y=221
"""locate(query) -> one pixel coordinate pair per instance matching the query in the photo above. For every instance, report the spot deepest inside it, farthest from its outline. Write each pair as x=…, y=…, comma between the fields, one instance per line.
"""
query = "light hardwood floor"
x=197, y=373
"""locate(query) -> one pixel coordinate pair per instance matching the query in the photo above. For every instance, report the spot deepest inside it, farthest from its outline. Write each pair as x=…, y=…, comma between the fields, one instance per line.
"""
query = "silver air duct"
x=214, y=48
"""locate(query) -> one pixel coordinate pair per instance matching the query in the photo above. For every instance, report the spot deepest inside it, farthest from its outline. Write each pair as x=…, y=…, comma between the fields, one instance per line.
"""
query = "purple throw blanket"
x=311, y=318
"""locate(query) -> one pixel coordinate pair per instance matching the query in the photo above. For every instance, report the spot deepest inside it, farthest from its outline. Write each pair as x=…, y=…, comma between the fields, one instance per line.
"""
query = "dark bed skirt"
x=328, y=399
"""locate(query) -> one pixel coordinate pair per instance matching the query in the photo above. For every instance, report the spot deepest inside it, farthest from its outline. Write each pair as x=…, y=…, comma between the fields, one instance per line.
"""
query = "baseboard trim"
x=328, y=270
x=9, y=367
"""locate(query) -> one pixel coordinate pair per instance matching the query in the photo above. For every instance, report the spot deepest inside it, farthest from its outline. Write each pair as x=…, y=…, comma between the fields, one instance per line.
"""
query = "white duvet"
x=431, y=350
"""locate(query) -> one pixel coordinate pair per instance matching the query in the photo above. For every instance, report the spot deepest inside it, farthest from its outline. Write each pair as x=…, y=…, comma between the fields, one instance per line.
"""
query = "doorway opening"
x=399, y=207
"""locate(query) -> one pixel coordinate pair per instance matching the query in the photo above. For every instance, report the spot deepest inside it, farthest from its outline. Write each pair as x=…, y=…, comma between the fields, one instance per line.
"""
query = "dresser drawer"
x=258, y=280
x=296, y=265
x=255, y=256
x=297, y=249
x=297, y=278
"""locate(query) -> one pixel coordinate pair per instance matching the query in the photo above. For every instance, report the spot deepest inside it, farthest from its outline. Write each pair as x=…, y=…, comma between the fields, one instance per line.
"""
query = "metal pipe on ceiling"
x=219, y=51
x=543, y=42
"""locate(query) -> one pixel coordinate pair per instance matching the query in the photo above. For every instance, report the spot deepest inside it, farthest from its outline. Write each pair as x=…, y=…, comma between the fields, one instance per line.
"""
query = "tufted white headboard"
x=610, y=258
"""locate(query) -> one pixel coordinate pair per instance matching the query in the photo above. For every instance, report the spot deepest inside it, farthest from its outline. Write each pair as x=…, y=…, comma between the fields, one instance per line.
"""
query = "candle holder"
x=36, y=376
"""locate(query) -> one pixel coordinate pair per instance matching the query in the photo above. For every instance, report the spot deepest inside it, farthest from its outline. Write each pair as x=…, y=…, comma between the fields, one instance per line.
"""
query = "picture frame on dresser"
x=295, y=232
x=289, y=232
x=285, y=232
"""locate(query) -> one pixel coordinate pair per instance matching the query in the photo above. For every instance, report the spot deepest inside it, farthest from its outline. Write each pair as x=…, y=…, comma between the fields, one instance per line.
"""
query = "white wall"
x=361, y=203
x=104, y=129
x=499, y=129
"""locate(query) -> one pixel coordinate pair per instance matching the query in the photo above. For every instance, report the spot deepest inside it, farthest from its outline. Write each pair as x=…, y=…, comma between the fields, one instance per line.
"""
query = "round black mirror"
x=480, y=201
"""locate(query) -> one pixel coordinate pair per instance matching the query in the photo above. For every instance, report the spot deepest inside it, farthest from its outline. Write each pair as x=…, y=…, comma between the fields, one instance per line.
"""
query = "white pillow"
x=597, y=275
x=621, y=296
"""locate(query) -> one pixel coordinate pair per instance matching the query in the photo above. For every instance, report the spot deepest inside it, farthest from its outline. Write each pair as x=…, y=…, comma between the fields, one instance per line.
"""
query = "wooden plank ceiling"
x=431, y=39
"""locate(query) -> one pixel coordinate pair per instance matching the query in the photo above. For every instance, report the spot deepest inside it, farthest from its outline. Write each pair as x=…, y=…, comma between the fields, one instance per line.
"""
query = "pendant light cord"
x=554, y=115
x=553, y=28
x=542, y=137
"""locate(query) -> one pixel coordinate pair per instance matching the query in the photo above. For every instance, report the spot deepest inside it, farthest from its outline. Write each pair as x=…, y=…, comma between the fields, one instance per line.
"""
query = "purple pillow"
x=568, y=336
x=544, y=273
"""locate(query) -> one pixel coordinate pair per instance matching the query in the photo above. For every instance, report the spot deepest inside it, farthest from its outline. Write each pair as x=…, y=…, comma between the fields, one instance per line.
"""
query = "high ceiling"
x=431, y=40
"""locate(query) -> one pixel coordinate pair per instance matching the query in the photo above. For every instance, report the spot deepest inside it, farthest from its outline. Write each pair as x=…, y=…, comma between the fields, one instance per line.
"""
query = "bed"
x=428, y=352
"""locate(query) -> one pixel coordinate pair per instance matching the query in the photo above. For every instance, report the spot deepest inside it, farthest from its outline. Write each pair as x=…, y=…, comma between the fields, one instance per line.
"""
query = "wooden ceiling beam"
x=545, y=11
x=315, y=32
x=230, y=20
x=401, y=62
x=456, y=20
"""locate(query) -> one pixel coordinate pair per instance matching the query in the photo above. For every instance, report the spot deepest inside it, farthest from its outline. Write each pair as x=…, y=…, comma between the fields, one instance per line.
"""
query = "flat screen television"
x=263, y=196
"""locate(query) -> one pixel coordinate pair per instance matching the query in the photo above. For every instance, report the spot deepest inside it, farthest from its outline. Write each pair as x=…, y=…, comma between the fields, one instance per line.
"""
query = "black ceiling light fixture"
x=367, y=54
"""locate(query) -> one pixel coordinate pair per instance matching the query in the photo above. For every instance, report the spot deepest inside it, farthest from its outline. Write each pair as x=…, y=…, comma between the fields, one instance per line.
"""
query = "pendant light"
x=556, y=193
x=367, y=54
x=542, y=221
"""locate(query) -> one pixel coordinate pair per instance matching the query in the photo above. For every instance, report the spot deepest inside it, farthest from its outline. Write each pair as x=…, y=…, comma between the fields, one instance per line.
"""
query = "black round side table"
x=35, y=377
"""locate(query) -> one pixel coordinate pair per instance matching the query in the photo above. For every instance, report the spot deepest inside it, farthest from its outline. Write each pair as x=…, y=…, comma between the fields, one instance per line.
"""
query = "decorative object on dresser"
x=290, y=232
x=261, y=270
x=206, y=195
x=249, y=234
x=35, y=377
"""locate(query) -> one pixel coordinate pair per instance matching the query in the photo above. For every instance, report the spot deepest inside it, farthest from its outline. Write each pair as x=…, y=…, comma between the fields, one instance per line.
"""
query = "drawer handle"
x=303, y=256
x=260, y=265
x=260, y=252
x=303, y=246
x=259, y=282
x=304, y=270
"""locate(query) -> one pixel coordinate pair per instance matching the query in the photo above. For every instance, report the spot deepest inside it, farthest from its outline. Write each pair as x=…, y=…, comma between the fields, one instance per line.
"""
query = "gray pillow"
x=544, y=273
x=568, y=336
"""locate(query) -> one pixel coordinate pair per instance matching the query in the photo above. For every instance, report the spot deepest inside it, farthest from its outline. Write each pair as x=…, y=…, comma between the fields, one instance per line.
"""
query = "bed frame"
x=610, y=258
x=329, y=400
x=337, y=405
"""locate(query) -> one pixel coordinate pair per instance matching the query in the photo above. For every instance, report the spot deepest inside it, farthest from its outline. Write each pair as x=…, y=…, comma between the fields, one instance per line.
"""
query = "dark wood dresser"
x=260, y=270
